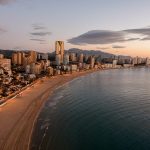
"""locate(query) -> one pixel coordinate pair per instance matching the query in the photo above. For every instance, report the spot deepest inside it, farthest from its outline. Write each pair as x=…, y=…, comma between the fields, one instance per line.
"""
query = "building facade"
x=59, y=50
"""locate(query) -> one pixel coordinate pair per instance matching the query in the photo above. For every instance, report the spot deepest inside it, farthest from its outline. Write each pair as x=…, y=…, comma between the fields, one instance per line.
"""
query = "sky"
x=114, y=26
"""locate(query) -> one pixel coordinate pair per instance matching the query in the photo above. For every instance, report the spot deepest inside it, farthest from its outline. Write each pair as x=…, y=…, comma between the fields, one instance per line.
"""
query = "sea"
x=105, y=110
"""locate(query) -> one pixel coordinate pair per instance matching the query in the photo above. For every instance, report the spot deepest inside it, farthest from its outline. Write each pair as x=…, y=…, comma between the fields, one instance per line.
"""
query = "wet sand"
x=18, y=116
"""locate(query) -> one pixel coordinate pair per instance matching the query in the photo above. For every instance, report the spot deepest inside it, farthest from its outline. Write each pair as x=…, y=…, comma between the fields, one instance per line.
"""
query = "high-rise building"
x=1, y=56
x=86, y=58
x=114, y=63
x=38, y=68
x=66, y=59
x=14, y=58
x=92, y=62
x=44, y=64
x=20, y=57
x=26, y=61
x=135, y=61
x=33, y=56
x=35, y=68
x=32, y=68
x=17, y=58
x=73, y=57
x=81, y=58
x=147, y=61
x=59, y=50
x=58, y=59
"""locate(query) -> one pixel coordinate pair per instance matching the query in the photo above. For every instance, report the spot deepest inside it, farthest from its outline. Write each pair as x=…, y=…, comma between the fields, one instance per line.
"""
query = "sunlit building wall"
x=81, y=58
x=33, y=56
x=6, y=64
x=1, y=56
x=92, y=62
x=59, y=50
x=14, y=58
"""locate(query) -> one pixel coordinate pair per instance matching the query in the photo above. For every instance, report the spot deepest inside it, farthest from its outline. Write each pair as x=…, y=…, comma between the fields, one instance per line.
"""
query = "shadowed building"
x=66, y=59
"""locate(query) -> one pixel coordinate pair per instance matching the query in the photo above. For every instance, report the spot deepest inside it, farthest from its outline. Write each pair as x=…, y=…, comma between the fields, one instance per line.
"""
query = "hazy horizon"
x=118, y=27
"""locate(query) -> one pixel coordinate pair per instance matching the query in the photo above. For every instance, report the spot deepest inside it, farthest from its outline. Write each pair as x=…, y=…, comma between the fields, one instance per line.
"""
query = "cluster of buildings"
x=70, y=62
x=30, y=62
x=26, y=66
x=118, y=62
x=21, y=70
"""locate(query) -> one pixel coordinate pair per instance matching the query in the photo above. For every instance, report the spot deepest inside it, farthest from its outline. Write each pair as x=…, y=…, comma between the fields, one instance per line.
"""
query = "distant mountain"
x=91, y=52
x=97, y=53
x=6, y=53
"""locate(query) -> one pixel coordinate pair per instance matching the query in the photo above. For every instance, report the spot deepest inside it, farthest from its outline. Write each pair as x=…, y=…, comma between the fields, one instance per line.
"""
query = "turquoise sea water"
x=106, y=110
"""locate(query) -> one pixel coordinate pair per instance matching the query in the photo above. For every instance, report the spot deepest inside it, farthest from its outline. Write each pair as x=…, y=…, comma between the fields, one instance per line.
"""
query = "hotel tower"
x=59, y=50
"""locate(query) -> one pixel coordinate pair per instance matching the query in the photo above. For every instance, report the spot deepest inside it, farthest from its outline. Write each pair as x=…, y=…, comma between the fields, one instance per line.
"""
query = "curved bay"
x=101, y=111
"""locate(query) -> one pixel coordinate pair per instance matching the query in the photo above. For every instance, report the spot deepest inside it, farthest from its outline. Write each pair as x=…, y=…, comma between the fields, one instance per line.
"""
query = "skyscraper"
x=59, y=50
x=92, y=62
x=20, y=57
x=17, y=58
x=81, y=58
x=14, y=58
x=1, y=56
x=33, y=56
x=66, y=59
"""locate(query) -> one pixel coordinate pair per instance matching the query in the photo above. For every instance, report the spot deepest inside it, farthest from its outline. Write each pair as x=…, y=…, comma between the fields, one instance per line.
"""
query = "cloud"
x=98, y=37
x=5, y=2
x=117, y=46
x=145, y=39
x=133, y=39
x=141, y=31
x=40, y=40
x=110, y=37
x=38, y=27
x=42, y=33
x=39, y=33
x=43, y=43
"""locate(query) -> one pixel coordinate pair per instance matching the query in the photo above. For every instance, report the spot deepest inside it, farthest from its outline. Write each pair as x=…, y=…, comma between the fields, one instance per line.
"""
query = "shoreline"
x=18, y=117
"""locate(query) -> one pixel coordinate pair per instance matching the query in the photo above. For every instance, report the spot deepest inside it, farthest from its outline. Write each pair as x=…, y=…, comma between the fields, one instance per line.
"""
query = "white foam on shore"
x=45, y=125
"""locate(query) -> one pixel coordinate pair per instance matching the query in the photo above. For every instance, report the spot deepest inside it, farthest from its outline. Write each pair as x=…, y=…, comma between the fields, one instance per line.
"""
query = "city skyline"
x=114, y=27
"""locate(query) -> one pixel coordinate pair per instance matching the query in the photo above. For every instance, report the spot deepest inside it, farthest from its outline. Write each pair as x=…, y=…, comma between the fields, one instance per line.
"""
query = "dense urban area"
x=23, y=68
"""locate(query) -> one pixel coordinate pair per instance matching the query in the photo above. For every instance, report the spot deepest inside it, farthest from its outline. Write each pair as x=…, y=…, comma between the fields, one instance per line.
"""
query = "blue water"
x=106, y=110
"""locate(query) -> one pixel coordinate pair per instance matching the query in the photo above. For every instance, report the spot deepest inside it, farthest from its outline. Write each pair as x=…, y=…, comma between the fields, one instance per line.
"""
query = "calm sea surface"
x=106, y=110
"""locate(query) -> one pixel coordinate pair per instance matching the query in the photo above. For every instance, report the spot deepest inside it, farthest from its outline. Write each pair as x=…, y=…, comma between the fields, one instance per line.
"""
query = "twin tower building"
x=60, y=56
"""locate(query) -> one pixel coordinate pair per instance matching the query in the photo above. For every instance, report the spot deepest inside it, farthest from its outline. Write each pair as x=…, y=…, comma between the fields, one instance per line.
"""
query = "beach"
x=18, y=115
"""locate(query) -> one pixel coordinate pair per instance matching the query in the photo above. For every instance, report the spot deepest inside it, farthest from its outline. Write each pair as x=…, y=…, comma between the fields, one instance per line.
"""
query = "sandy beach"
x=18, y=115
